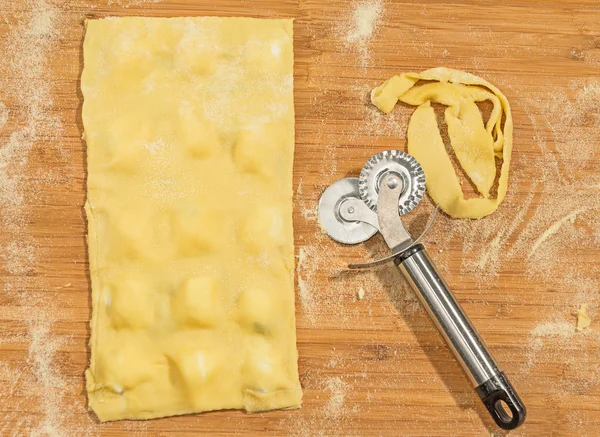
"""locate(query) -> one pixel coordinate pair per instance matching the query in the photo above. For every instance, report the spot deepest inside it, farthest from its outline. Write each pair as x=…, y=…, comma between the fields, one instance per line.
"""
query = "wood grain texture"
x=371, y=367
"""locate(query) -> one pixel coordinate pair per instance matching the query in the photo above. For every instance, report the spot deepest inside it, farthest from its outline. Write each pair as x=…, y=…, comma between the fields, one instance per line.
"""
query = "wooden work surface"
x=374, y=366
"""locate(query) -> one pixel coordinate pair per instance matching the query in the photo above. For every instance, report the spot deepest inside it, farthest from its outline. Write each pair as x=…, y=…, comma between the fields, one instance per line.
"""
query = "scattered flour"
x=366, y=16
x=359, y=27
x=132, y=3
x=335, y=404
x=554, y=229
x=4, y=113
x=42, y=353
x=304, y=290
x=554, y=329
x=36, y=382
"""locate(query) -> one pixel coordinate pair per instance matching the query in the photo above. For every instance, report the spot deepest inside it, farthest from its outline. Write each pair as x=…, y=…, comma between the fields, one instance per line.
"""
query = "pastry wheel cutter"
x=352, y=210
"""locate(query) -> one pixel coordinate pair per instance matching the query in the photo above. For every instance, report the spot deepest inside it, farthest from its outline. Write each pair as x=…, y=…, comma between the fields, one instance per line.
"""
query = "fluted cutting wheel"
x=401, y=164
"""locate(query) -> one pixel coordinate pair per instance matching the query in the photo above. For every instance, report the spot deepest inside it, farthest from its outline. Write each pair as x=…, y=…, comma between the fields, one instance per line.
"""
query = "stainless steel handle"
x=489, y=381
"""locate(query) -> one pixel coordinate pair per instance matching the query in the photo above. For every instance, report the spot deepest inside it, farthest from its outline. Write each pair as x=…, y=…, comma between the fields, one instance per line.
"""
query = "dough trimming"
x=475, y=144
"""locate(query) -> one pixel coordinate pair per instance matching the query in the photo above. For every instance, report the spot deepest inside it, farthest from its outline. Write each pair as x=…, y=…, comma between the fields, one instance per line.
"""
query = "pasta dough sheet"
x=189, y=124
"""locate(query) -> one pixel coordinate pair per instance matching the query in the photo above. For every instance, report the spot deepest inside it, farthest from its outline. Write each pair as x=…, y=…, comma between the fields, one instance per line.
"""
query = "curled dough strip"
x=475, y=145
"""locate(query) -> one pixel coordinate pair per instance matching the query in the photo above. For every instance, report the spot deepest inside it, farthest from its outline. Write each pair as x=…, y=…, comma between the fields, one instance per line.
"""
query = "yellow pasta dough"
x=189, y=124
x=583, y=320
x=475, y=144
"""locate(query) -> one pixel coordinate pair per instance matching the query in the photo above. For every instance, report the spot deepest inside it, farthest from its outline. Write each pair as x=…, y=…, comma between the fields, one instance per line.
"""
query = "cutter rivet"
x=351, y=210
x=392, y=183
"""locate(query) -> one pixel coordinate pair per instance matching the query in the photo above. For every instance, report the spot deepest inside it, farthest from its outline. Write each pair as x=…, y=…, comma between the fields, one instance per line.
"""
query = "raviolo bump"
x=257, y=149
x=131, y=304
x=198, y=302
x=129, y=362
x=263, y=370
x=257, y=309
x=198, y=370
x=265, y=226
x=133, y=232
x=199, y=138
x=199, y=229
x=197, y=50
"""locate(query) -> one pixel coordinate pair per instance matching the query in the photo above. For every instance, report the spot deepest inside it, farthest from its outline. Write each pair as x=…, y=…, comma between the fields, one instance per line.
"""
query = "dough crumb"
x=583, y=320
x=360, y=294
x=466, y=128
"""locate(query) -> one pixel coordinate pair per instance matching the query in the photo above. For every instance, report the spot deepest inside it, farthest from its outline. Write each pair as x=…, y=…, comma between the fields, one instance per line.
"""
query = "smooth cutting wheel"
x=341, y=230
x=403, y=165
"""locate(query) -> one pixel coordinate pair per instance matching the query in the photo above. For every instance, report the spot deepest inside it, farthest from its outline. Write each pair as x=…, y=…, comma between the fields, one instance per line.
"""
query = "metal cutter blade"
x=338, y=203
x=403, y=165
x=348, y=208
